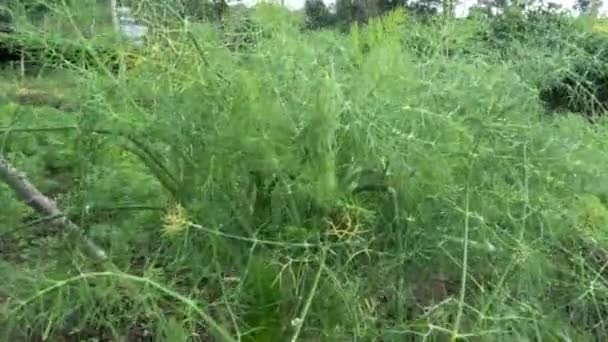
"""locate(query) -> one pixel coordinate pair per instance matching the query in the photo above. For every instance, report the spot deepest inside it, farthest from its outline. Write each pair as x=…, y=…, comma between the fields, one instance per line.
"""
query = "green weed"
x=397, y=182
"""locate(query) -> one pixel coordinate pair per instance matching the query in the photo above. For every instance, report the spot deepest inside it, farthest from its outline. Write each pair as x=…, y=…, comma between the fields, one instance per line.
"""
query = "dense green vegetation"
x=255, y=177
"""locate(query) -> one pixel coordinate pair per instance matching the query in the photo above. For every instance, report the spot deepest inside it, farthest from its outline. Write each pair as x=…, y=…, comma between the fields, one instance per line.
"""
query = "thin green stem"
x=313, y=291
x=219, y=330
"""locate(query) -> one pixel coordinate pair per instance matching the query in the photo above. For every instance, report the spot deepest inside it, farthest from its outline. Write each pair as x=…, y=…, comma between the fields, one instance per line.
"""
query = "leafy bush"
x=582, y=86
x=535, y=26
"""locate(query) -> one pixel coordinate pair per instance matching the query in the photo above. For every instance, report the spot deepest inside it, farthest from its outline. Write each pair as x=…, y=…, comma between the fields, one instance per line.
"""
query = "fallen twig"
x=29, y=194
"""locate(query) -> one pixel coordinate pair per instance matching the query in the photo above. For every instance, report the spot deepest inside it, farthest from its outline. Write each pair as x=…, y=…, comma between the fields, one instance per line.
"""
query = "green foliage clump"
x=250, y=179
x=534, y=26
x=582, y=86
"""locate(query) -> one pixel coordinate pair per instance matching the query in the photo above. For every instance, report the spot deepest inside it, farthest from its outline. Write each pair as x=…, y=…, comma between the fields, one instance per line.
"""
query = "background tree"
x=448, y=7
x=554, y=7
x=317, y=14
x=582, y=6
x=348, y=11
x=595, y=8
x=33, y=9
x=493, y=7
x=588, y=7
x=385, y=6
x=425, y=8
x=6, y=19
x=204, y=10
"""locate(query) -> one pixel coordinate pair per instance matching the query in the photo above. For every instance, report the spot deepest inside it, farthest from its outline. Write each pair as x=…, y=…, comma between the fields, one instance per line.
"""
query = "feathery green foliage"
x=396, y=182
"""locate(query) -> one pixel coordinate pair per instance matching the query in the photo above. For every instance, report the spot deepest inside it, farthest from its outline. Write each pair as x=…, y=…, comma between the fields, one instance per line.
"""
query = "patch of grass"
x=313, y=186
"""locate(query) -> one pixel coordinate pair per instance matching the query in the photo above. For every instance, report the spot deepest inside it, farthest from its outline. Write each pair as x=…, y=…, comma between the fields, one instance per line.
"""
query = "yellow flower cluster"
x=175, y=221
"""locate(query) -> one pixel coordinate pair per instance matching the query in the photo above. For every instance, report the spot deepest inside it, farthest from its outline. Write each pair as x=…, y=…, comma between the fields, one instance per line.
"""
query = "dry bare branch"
x=29, y=194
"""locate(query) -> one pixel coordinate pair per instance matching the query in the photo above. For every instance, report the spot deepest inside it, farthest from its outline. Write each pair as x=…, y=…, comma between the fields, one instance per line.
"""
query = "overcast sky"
x=461, y=7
